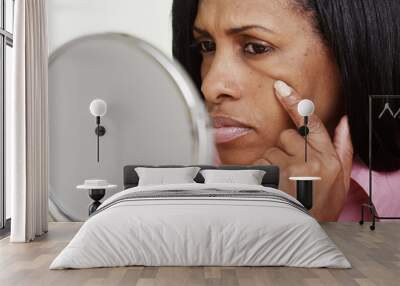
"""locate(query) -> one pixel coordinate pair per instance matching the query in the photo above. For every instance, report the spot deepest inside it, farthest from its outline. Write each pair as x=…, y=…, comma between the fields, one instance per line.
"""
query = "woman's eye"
x=255, y=49
x=206, y=46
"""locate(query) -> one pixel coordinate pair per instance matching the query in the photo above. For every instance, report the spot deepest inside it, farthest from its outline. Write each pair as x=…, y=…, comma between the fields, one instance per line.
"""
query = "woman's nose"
x=220, y=82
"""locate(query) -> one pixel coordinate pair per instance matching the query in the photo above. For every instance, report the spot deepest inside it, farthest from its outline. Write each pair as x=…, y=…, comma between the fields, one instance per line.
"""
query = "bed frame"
x=270, y=179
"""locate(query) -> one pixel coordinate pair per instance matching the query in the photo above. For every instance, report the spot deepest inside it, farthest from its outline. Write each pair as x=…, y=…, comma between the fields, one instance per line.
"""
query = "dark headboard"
x=270, y=179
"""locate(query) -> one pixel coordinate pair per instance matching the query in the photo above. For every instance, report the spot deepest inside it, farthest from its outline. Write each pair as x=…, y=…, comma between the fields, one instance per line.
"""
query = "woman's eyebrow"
x=235, y=30
x=240, y=29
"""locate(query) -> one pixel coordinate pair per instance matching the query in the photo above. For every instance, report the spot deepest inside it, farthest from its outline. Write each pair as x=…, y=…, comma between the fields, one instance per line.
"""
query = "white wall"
x=146, y=19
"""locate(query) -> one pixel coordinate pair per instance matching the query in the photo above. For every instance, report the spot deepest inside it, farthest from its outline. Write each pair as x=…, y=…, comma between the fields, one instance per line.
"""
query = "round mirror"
x=154, y=116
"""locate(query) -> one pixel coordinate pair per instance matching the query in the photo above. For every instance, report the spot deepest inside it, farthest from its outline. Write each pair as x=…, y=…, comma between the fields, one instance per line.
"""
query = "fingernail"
x=282, y=88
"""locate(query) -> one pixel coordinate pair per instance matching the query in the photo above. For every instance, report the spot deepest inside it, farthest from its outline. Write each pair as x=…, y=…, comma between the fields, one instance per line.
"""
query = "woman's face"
x=246, y=47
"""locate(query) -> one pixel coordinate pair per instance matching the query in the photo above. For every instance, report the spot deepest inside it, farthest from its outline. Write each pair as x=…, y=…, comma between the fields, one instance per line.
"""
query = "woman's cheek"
x=272, y=126
x=267, y=110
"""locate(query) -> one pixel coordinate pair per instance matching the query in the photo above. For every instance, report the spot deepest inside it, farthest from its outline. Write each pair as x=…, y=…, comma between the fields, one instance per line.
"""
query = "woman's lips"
x=227, y=129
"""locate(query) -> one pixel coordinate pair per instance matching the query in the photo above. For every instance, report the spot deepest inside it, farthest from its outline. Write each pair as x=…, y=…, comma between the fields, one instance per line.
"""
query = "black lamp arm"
x=305, y=137
x=99, y=131
x=98, y=138
x=303, y=130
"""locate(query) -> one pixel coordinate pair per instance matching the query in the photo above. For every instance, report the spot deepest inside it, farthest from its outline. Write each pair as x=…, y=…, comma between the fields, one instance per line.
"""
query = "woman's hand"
x=329, y=160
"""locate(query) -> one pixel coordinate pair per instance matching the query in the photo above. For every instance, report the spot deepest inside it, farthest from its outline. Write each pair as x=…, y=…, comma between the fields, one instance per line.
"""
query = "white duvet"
x=204, y=231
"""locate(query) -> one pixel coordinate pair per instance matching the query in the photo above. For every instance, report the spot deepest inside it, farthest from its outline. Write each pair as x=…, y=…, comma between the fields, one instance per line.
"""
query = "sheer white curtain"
x=27, y=126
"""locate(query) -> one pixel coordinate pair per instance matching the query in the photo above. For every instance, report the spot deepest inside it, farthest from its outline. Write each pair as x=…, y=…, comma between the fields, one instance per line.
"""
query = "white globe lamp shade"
x=98, y=107
x=305, y=107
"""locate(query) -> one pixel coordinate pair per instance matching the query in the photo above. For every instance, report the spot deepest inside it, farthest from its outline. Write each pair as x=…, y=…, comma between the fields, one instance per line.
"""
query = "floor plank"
x=375, y=257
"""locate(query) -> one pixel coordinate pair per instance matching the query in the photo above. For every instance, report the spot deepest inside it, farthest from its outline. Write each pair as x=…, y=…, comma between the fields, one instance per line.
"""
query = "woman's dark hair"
x=364, y=37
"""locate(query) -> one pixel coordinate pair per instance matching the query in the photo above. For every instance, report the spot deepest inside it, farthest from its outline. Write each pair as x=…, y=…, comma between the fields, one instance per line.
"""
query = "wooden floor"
x=375, y=257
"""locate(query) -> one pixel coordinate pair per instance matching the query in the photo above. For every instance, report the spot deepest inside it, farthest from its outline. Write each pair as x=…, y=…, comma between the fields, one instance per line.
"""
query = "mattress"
x=201, y=225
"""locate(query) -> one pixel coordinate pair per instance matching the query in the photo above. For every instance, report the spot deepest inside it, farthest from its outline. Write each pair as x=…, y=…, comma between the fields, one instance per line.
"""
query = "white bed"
x=224, y=225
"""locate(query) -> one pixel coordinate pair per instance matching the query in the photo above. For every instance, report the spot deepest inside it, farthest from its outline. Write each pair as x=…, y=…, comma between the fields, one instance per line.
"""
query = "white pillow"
x=162, y=176
x=248, y=177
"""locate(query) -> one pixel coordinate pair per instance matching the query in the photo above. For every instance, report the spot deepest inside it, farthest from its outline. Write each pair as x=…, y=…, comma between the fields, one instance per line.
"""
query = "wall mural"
x=251, y=81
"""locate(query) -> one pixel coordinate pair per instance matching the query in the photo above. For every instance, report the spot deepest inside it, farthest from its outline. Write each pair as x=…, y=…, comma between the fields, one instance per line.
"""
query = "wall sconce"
x=98, y=108
x=305, y=108
x=304, y=185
